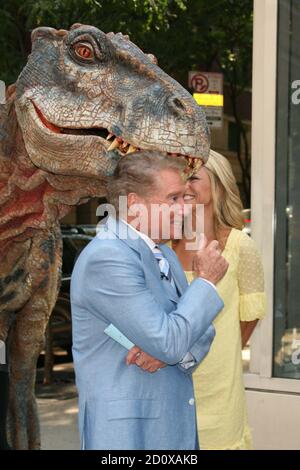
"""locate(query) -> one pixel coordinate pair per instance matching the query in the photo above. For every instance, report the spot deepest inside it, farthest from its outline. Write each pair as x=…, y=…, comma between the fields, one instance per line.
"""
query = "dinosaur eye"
x=84, y=50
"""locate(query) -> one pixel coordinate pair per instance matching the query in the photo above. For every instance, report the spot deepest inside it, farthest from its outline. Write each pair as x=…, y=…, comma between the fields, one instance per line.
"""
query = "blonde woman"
x=218, y=381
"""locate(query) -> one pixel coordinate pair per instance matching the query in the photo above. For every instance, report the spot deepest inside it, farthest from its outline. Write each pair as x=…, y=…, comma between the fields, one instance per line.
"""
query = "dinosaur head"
x=86, y=98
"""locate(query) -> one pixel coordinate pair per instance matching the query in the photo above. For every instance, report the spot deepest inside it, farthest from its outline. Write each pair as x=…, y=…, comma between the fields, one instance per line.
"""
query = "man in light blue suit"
x=125, y=278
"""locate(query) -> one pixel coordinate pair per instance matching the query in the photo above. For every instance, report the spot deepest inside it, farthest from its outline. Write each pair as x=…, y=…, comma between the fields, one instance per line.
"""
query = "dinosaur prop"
x=83, y=100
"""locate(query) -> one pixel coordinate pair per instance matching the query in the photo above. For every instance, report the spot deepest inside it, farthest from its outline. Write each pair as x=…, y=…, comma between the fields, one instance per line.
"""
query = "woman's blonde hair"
x=225, y=193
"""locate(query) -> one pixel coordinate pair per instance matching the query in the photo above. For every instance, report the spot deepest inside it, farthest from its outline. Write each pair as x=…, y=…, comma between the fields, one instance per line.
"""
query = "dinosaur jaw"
x=121, y=146
x=112, y=142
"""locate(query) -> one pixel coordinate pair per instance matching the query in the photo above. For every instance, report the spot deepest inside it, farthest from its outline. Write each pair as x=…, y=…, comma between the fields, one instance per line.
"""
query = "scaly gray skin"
x=77, y=87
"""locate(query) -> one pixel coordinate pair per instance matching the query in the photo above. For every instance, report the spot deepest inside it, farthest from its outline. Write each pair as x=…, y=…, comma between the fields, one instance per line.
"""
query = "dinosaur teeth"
x=110, y=135
x=113, y=145
x=123, y=147
x=131, y=149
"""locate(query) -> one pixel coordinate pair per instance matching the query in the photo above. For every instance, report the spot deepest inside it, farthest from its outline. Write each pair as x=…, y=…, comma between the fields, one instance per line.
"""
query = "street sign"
x=208, y=93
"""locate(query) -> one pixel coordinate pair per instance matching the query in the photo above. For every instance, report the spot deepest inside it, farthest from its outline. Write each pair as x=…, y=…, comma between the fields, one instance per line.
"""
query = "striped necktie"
x=164, y=266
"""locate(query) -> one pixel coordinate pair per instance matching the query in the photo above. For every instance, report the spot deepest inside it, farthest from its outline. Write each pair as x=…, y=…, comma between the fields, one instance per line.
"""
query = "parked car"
x=83, y=229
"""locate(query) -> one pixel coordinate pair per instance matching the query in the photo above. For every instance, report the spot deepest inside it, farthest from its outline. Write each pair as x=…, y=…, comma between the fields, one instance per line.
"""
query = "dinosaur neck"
x=30, y=198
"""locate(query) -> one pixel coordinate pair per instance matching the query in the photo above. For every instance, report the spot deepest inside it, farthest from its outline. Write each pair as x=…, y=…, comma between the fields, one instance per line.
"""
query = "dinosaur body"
x=84, y=100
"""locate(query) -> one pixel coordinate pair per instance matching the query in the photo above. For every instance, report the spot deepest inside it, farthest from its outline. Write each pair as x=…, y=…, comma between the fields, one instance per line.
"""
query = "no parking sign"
x=208, y=92
x=199, y=82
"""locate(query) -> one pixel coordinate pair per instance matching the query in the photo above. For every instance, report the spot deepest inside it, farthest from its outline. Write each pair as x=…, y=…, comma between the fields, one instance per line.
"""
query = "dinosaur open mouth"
x=100, y=132
x=117, y=143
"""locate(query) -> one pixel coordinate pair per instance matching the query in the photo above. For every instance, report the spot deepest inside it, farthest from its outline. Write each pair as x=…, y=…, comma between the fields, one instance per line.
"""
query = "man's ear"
x=136, y=205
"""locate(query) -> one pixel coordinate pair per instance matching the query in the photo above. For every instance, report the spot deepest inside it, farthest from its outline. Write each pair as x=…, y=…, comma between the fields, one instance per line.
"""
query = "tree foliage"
x=19, y=17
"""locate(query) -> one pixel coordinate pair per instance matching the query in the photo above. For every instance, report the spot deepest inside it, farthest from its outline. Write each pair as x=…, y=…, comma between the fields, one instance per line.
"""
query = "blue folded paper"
x=116, y=334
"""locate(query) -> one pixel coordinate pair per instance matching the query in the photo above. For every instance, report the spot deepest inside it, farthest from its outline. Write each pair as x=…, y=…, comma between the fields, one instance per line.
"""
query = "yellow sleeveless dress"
x=218, y=381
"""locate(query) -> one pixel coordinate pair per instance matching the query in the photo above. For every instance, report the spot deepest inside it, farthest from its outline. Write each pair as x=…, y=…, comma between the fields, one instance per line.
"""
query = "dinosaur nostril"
x=177, y=104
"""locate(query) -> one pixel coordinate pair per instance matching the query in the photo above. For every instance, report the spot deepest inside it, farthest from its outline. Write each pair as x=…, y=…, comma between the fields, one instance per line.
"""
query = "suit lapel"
x=150, y=263
x=151, y=267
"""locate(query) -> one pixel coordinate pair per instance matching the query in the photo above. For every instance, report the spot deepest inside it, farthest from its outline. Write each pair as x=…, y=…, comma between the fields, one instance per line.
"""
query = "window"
x=286, y=341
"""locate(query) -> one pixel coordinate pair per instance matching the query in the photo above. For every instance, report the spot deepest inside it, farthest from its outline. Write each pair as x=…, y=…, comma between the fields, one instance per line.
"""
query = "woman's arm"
x=247, y=328
x=251, y=287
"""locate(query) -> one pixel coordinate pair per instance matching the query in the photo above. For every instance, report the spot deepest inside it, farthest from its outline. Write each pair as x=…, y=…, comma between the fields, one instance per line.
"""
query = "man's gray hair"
x=137, y=173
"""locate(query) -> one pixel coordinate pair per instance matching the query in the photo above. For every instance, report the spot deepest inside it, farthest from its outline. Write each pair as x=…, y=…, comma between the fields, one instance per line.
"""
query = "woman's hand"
x=143, y=360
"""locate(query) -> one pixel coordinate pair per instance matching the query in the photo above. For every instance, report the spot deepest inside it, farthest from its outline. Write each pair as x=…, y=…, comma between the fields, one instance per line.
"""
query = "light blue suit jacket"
x=118, y=281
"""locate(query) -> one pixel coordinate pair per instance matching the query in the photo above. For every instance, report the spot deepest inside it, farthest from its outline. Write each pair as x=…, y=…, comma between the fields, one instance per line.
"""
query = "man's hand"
x=208, y=262
x=143, y=360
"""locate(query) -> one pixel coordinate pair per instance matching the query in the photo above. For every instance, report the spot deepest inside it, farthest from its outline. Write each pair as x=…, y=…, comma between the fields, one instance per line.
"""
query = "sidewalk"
x=58, y=419
x=58, y=409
